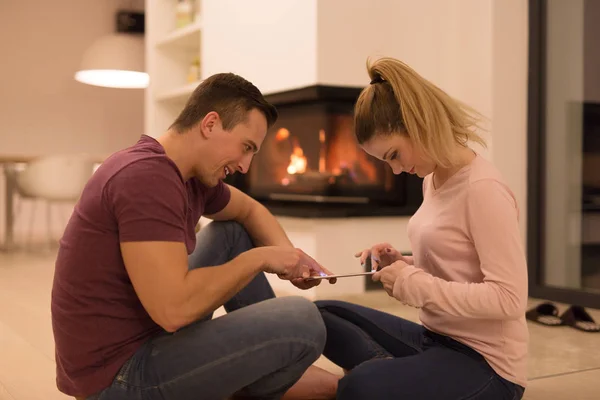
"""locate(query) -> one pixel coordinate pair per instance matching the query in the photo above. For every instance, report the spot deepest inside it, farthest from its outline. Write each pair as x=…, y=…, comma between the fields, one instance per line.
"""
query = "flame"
x=339, y=158
x=322, y=151
x=297, y=160
x=344, y=154
x=282, y=134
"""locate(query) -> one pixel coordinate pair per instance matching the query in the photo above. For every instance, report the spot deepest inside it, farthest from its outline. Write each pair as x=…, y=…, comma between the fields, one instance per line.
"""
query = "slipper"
x=578, y=318
x=545, y=314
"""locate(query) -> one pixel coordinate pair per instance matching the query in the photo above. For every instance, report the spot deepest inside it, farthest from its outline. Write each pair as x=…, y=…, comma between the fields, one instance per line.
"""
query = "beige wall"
x=43, y=109
x=446, y=41
x=509, y=68
x=272, y=43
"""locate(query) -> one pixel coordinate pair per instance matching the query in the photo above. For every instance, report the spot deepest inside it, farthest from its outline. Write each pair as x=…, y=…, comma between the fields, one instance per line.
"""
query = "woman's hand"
x=388, y=275
x=382, y=255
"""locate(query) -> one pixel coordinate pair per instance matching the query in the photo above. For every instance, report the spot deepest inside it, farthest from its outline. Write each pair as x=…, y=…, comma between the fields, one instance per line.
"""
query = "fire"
x=322, y=151
x=338, y=160
x=297, y=160
x=282, y=134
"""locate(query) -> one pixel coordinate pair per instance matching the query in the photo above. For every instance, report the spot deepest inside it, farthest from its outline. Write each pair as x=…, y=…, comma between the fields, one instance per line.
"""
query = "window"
x=564, y=151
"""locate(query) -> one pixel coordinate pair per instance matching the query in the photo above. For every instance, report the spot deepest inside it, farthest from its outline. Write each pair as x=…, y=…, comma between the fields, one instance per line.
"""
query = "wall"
x=510, y=35
x=427, y=35
x=42, y=108
x=272, y=43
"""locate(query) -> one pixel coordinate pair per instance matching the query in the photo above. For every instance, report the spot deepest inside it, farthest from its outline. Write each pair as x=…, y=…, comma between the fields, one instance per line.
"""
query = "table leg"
x=9, y=222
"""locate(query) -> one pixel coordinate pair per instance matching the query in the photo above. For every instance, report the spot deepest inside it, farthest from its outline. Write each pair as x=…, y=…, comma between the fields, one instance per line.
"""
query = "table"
x=9, y=165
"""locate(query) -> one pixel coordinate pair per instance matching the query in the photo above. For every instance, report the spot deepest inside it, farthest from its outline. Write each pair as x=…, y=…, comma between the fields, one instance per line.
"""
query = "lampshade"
x=115, y=60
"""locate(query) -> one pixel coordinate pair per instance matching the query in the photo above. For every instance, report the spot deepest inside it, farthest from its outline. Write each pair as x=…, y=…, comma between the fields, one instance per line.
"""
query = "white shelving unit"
x=187, y=37
x=178, y=94
x=170, y=52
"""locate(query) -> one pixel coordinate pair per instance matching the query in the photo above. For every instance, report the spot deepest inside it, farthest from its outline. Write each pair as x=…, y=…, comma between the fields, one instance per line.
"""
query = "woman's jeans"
x=391, y=358
x=259, y=349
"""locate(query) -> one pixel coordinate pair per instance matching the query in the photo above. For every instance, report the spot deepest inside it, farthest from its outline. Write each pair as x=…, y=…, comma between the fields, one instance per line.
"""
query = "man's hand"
x=288, y=263
x=271, y=240
x=388, y=275
x=382, y=255
x=281, y=260
x=315, y=269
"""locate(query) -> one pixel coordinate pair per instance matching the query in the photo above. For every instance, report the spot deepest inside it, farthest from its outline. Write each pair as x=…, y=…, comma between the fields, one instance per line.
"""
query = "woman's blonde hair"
x=399, y=100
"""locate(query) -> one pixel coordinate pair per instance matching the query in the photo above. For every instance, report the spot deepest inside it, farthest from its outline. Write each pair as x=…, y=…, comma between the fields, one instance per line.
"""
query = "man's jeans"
x=259, y=349
x=391, y=358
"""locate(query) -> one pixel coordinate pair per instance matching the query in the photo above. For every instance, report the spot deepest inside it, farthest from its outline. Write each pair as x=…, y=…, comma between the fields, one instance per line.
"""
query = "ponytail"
x=399, y=100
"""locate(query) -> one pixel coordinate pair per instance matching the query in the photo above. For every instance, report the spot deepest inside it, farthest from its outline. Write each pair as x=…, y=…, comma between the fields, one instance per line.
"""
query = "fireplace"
x=310, y=164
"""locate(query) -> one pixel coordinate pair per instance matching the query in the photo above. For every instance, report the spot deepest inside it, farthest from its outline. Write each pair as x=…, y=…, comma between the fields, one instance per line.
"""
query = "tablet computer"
x=339, y=275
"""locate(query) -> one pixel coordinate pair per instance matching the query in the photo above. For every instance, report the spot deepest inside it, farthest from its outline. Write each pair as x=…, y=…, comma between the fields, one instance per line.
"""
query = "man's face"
x=232, y=151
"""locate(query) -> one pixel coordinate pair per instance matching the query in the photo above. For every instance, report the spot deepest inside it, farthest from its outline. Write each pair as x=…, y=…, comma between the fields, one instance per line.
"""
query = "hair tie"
x=377, y=79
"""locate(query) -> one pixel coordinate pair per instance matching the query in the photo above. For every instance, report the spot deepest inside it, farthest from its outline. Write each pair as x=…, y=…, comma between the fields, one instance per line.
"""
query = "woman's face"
x=397, y=150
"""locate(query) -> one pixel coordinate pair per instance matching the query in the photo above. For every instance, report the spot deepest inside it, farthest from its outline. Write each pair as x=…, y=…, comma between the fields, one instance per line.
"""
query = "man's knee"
x=231, y=228
x=231, y=225
x=301, y=319
x=231, y=232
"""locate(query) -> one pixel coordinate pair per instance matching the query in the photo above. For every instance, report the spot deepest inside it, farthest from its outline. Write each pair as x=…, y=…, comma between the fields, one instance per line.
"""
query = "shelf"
x=179, y=94
x=187, y=37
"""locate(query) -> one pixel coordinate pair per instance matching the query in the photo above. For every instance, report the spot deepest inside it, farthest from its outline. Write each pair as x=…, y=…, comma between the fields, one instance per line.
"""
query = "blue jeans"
x=259, y=349
x=391, y=358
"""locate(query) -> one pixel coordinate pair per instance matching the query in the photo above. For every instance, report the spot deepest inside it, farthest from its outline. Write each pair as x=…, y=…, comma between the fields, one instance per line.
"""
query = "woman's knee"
x=324, y=304
x=341, y=308
x=360, y=383
x=333, y=310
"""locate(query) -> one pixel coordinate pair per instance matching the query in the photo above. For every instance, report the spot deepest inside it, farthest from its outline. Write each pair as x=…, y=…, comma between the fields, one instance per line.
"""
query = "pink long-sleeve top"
x=470, y=274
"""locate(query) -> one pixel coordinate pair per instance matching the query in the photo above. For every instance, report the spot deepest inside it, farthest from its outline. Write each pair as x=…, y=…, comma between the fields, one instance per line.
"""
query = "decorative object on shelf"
x=174, y=58
x=197, y=9
x=184, y=13
x=194, y=72
x=117, y=60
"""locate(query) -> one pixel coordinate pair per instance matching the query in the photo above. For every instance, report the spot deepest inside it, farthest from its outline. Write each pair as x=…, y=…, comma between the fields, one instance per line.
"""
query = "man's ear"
x=209, y=124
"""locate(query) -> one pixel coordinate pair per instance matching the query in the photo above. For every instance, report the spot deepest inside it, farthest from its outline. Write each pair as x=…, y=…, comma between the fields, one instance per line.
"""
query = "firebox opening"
x=310, y=163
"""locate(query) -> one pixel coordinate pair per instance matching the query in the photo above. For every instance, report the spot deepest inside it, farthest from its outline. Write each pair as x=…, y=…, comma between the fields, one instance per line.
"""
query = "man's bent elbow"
x=171, y=319
x=171, y=328
x=174, y=318
x=167, y=321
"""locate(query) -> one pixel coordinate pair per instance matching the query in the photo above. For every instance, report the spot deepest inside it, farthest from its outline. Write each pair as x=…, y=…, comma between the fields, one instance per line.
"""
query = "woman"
x=468, y=274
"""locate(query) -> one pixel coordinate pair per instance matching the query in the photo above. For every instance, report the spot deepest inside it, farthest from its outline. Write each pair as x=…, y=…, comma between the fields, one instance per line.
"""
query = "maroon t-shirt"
x=137, y=194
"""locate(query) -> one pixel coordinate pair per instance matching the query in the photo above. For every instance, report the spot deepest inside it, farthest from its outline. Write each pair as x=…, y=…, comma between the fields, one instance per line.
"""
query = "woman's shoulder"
x=483, y=169
x=487, y=184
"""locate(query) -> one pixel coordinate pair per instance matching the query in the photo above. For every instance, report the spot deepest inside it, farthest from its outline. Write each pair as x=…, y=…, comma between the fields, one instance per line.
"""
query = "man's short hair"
x=231, y=96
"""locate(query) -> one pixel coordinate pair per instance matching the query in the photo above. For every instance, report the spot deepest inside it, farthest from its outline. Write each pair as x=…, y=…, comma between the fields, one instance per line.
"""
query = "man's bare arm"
x=174, y=296
x=258, y=221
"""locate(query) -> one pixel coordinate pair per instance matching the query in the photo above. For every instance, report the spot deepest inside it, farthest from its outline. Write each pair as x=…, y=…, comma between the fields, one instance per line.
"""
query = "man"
x=131, y=312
